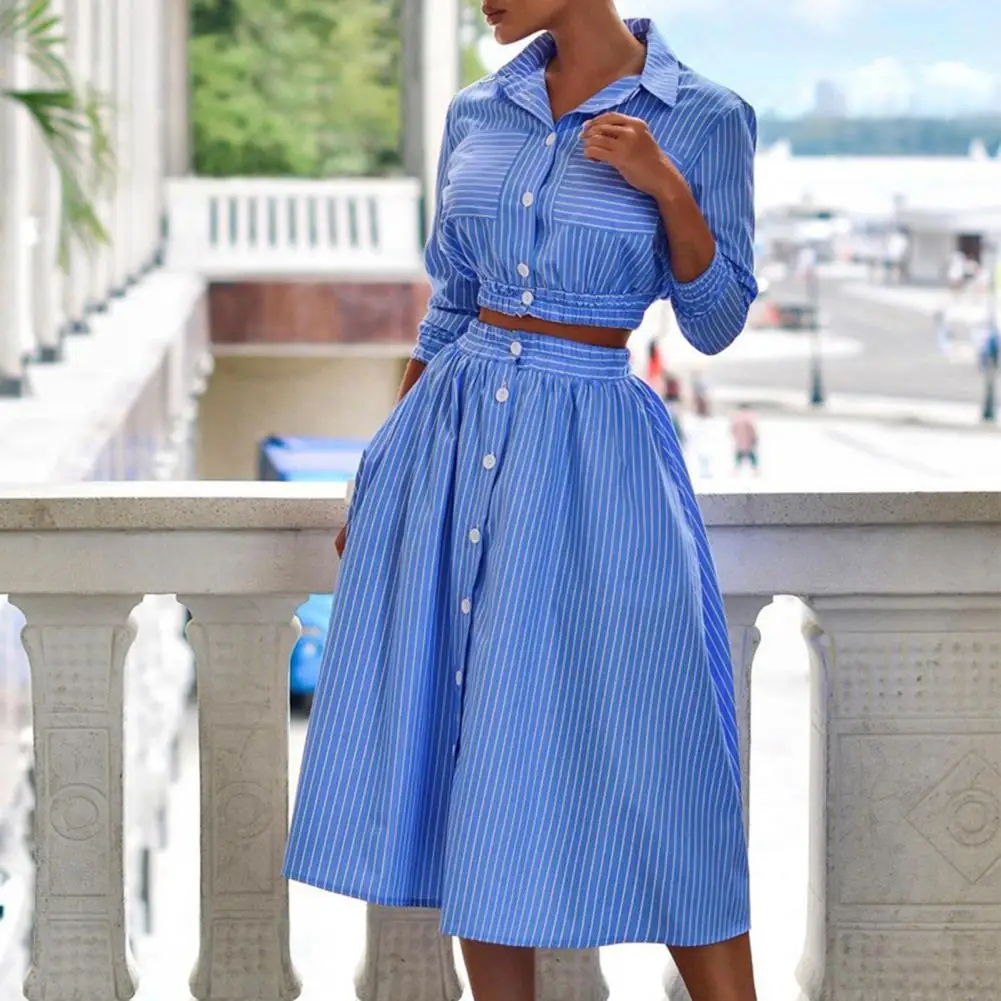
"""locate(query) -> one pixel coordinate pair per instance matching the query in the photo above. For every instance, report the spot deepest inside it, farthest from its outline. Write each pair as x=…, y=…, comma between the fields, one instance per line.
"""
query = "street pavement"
x=895, y=349
x=797, y=454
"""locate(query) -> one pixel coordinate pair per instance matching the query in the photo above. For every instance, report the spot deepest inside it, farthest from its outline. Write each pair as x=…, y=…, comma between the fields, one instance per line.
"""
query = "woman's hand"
x=342, y=536
x=627, y=144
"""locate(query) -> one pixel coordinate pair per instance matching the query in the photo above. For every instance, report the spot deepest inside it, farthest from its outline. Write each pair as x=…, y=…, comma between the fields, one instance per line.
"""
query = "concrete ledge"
x=236, y=506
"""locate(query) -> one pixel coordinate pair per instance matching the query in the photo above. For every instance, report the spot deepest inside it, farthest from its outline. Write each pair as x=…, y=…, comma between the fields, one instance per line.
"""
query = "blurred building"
x=829, y=100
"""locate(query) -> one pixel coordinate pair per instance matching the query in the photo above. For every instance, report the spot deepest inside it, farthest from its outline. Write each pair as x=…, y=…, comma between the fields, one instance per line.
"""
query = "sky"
x=937, y=57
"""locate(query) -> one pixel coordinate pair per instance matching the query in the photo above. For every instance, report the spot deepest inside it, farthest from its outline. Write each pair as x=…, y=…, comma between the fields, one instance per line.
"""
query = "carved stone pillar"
x=741, y=616
x=77, y=648
x=242, y=648
x=905, y=884
x=406, y=957
x=569, y=975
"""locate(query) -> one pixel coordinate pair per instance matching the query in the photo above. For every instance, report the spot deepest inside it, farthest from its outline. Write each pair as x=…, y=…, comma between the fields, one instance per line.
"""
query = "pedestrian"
x=989, y=358
x=744, y=429
x=525, y=714
x=943, y=331
x=655, y=374
x=956, y=272
x=698, y=427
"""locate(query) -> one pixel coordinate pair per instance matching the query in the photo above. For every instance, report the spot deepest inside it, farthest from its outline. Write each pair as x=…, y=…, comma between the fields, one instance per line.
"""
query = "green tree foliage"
x=816, y=136
x=473, y=29
x=295, y=87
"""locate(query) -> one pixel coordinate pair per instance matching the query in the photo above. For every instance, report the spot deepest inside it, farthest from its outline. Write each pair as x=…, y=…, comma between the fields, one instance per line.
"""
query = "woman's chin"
x=504, y=35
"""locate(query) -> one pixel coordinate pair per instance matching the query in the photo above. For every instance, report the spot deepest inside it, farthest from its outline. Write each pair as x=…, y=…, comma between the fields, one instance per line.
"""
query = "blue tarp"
x=309, y=459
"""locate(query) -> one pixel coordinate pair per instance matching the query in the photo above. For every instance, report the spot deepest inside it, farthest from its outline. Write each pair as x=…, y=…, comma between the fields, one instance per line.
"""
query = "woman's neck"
x=595, y=45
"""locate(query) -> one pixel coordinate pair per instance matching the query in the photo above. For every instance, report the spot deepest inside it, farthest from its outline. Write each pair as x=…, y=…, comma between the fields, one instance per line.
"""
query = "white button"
x=527, y=298
x=466, y=606
x=501, y=395
x=474, y=535
x=527, y=198
x=551, y=138
x=489, y=460
x=516, y=348
x=458, y=677
x=523, y=270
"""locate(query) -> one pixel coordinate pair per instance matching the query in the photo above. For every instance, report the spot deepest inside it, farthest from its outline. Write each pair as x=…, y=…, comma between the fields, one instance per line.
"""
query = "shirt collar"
x=660, y=74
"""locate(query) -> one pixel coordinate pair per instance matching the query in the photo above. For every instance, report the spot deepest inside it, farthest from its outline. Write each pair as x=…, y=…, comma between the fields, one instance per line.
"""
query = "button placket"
x=489, y=443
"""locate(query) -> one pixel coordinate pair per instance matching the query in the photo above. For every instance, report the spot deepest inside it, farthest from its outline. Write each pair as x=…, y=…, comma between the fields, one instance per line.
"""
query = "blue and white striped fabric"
x=527, y=225
x=525, y=713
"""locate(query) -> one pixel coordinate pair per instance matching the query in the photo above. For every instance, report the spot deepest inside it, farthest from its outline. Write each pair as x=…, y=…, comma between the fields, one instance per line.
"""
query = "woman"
x=525, y=716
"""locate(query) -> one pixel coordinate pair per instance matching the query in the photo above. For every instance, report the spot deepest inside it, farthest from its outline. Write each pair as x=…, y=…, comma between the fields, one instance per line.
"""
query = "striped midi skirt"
x=525, y=713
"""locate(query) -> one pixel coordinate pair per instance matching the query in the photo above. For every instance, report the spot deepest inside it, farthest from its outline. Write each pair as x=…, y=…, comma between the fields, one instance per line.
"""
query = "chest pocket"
x=592, y=193
x=477, y=170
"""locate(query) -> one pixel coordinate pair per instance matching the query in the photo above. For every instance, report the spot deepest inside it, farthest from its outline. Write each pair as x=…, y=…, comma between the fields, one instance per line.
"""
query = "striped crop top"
x=526, y=225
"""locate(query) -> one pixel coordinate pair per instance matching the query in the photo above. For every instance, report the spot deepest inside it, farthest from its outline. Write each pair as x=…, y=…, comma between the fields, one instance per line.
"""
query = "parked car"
x=298, y=459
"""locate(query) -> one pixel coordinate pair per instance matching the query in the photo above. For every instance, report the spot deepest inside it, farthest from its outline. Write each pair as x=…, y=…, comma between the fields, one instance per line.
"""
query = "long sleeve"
x=453, y=295
x=712, y=309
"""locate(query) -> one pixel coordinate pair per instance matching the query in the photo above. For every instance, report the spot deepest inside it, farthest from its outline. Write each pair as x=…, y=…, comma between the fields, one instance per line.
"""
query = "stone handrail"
x=904, y=592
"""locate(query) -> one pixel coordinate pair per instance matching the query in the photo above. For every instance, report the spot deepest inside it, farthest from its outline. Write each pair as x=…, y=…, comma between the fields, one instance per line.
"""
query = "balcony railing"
x=904, y=628
x=240, y=228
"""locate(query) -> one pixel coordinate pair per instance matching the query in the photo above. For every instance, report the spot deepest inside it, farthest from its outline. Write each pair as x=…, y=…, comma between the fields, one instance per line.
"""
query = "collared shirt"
x=526, y=225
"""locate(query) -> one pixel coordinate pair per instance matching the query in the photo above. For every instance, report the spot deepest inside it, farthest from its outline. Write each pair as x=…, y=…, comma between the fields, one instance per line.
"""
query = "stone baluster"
x=742, y=615
x=569, y=975
x=77, y=647
x=242, y=648
x=905, y=881
x=406, y=957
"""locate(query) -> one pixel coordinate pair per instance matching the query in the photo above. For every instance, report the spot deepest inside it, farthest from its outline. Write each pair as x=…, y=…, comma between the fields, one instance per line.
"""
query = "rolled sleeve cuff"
x=438, y=329
x=699, y=296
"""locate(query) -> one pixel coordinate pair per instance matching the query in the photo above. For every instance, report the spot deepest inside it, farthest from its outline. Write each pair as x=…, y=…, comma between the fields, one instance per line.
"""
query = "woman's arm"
x=411, y=374
x=709, y=224
x=453, y=300
x=710, y=233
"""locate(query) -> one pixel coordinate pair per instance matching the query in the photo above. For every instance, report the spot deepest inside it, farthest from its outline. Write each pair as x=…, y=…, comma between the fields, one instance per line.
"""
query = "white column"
x=905, y=894
x=77, y=647
x=79, y=37
x=10, y=353
x=742, y=613
x=19, y=233
x=177, y=100
x=440, y=82
x=406, y=957
x=103, y=56
x=47, y=276
x=138, y=138
x=126, y=113
x=158, y=97
x=242, y=649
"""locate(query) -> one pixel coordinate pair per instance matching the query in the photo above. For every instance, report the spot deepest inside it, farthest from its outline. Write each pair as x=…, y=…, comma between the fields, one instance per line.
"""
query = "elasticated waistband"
x=544, y=351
